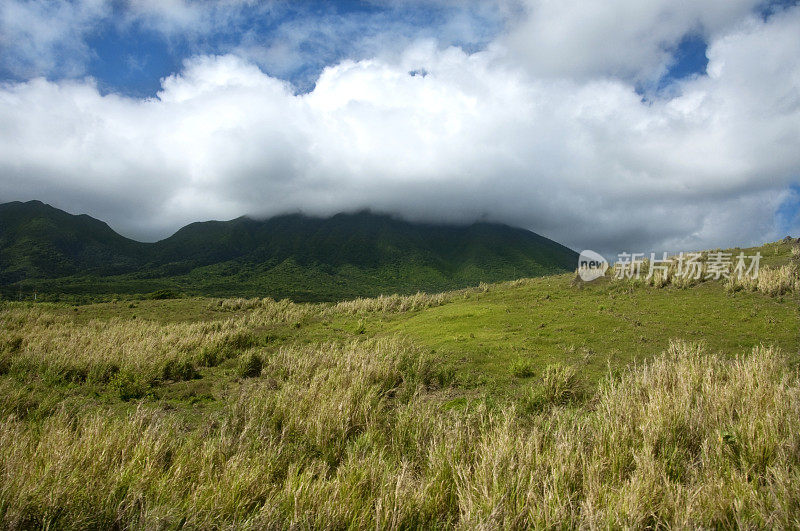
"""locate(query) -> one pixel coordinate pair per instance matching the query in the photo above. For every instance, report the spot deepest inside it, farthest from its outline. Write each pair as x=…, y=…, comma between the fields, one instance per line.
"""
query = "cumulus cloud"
x=630, y=39
x=301, y=46
x=581, y=159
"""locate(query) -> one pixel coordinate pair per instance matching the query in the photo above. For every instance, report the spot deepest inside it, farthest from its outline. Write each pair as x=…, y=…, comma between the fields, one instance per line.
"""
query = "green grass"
x=535, y=402
x=597, y=326
x=494, y=344
x=482, y=334
x=591, y=327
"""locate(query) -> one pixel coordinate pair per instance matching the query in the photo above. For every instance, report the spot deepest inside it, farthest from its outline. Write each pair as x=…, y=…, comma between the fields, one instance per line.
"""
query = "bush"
x=162, y=294
x=178, y=370
x=250, y=365
x=522, y=368
x=128, y=386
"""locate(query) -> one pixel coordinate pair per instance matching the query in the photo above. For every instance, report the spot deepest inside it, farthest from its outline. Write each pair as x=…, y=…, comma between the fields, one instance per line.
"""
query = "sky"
x=618, y=126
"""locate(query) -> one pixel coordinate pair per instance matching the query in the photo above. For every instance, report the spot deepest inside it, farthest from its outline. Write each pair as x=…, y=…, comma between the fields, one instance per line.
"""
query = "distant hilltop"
x=304, y=258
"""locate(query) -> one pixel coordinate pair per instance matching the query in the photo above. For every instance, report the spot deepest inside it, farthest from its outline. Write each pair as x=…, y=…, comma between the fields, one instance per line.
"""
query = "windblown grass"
x=129, y=354
x=282, y=311
x=287, y=310
x=350, y=435
x=409, y=303
x=773, y=281
x=392, y=303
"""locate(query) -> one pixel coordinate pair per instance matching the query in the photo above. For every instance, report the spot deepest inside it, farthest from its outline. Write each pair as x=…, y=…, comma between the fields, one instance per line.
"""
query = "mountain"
x=304, y=258
x=39, y=241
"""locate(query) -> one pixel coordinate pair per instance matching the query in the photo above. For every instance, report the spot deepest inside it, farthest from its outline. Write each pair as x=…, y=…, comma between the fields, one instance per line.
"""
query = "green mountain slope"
x=292, y=256
x=39, y=241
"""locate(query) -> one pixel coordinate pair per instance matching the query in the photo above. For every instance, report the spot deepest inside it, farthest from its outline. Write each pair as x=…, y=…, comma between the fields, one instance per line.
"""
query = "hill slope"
x=39, y=241
x=294, y=256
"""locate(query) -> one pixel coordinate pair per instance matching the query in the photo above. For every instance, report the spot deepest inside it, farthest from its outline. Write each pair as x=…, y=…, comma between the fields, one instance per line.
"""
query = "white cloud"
x=38, y=38
x=50, y=37
x=622, y=38
x=289, y=40
x=579, y=159
x=188, y=18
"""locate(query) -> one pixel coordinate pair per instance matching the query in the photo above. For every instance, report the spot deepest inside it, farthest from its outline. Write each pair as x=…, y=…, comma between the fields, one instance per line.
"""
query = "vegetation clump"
x=250, y=365
x=522, y=368
x=391, y=303
x=774, y=280
x=558, y=385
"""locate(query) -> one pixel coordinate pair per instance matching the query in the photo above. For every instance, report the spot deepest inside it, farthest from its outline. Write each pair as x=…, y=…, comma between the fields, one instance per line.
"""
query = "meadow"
x=541, y=402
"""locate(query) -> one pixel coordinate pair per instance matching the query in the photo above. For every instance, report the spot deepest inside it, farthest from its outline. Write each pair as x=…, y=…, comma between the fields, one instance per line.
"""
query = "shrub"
x=250, y=365
x=522, y=368
x=162, y=294
x=128, y=386
x=179, y=370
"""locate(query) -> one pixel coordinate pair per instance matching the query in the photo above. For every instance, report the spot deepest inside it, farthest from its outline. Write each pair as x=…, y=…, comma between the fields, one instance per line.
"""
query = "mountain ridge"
x=292, y=255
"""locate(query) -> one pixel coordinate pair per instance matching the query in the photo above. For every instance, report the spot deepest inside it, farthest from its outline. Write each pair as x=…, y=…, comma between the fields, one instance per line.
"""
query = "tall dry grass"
x=773, y=281
x=381, y=304
x=36, y=341
x=349, y=435
x=391, y=303
x=408, y=303
x=283, y=310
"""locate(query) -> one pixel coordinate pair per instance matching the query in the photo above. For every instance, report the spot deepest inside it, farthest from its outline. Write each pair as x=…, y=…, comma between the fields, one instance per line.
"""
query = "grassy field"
x=538, y=402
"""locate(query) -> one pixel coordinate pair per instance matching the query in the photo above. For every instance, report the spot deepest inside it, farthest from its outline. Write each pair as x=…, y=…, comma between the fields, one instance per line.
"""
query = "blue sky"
x=613, y=125
x=130, y=55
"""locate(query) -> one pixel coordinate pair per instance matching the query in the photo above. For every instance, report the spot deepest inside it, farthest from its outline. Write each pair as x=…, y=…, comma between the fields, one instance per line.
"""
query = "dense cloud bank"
x=543, y=129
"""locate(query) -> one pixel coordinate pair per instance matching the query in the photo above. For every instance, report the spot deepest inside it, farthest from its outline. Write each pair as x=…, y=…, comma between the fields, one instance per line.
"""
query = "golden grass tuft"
x=390, y=303
x=773, y=281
